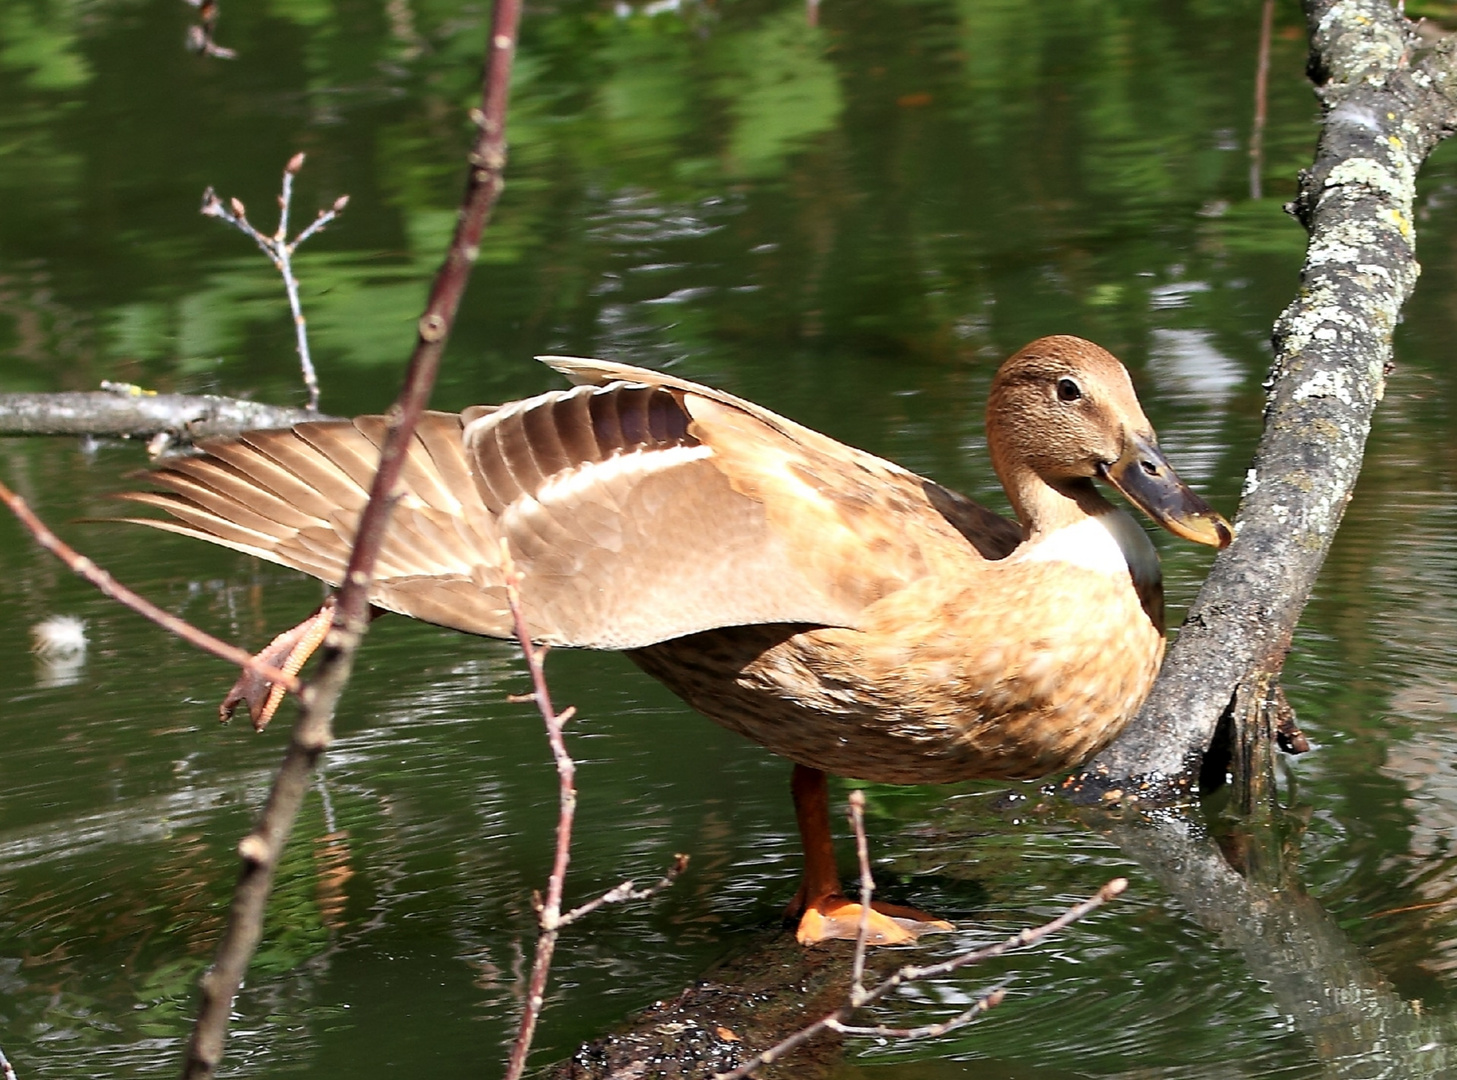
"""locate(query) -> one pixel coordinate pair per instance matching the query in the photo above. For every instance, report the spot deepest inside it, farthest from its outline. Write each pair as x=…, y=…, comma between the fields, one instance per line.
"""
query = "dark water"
x=851, y=223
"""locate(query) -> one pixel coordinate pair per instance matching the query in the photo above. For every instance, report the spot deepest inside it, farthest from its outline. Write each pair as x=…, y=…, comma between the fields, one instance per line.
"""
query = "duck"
x=839, y=610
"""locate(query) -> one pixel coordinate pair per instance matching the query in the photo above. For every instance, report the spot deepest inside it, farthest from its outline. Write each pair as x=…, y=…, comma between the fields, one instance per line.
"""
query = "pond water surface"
x=851, y=222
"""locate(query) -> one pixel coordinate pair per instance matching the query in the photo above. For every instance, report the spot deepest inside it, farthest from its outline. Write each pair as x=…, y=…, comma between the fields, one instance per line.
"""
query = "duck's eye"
x=1067, y=390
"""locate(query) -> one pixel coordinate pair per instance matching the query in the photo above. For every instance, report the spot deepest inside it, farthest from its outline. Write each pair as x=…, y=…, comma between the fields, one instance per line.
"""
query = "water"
x=852, y=224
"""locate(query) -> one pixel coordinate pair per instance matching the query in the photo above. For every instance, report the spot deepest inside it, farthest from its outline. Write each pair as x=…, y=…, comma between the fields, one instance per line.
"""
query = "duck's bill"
x=1145, y=476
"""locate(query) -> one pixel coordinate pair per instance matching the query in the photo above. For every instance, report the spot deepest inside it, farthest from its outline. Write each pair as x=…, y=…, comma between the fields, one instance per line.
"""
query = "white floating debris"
x=59, y=644
x=59, y=637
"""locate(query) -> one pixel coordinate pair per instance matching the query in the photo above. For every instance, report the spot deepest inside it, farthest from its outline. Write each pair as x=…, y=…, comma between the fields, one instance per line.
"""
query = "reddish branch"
x=313, y=730
x=548, y=911
x=109, y=586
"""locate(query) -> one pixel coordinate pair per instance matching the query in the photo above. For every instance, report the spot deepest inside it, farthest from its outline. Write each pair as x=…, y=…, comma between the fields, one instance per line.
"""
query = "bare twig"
x=6, y=1069
x=200, y=36
x=109, y=586
x=626, y=891
x=859, y=996
x=1031, y=936
x=1262, y=84
x=549, y=910
x=927, y=1031
x=313, y=730
x=867, y=891
x=279, y=249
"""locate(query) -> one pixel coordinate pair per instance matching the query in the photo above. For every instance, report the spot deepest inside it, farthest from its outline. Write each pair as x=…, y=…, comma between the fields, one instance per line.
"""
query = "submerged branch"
x=777, y=1011
x=1244, y=890
x=910, y=973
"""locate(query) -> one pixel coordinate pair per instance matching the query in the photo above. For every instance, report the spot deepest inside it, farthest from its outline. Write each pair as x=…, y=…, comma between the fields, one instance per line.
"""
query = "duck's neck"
x=1043, y=507
x=1073, y=523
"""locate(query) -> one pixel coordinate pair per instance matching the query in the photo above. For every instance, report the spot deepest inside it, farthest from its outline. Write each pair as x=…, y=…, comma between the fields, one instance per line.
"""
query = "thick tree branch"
x=1384, y=112
x=108, y=413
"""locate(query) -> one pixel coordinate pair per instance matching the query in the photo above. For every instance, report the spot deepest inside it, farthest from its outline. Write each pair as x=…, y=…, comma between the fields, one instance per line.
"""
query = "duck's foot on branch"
x=837, y=918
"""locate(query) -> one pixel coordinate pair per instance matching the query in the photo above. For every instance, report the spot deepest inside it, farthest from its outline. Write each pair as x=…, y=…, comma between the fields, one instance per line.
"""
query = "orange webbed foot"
x=834, y=917
x=288, y=652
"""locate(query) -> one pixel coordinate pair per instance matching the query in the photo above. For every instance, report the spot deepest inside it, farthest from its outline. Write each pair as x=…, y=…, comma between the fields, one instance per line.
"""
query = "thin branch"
x=109, y=586
x=313, y=730
x=836, y=1020
x=1262, y=84
x=984, y=1003
x=626, y=891
x=200, y=36
x=279, y=249
x=867, y=890
x=1032, y=936
x=548, y=911
x=6, y=1069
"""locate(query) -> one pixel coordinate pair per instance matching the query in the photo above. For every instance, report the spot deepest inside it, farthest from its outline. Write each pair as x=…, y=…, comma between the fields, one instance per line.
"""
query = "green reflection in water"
x=851, y=223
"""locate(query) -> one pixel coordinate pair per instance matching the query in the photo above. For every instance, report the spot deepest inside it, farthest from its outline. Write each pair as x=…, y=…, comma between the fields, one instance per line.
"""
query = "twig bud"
x=340, y=203
x=238, y=207
x=295, y=163
x=253, y=848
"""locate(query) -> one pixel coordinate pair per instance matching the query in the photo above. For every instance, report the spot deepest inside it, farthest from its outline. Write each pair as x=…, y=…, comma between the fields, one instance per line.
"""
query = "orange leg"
x=827, y=914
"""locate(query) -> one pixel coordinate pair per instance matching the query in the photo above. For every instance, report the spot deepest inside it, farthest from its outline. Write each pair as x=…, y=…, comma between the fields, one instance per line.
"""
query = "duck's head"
x=1062, y=412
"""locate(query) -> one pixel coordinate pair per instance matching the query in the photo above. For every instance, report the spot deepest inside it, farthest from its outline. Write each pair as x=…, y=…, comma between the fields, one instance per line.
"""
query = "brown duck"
x=841, y=611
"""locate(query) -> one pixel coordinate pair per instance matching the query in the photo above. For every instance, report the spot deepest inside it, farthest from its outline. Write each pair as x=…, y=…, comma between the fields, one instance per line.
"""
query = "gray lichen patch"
x=1395, y=180
x=1336, y=384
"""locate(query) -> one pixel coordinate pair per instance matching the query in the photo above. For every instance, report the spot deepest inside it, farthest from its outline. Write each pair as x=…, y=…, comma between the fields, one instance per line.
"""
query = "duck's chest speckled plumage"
x=1029, y=668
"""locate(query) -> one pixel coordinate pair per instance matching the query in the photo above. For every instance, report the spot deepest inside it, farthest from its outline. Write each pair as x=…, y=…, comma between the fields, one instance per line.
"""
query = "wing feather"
x=638, y=508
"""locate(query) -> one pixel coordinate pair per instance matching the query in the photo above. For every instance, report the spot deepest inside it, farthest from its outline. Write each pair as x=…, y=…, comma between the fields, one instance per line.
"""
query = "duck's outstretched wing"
x=636, y=512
